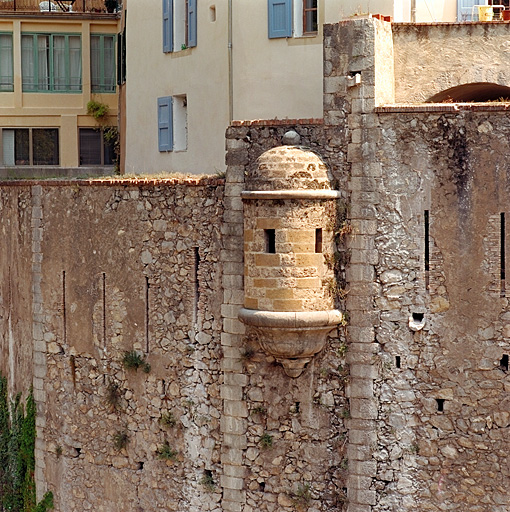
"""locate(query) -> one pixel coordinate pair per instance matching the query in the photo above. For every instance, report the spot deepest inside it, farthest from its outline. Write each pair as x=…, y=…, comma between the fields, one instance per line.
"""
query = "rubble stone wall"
x=290, y=450
x=121, y=267
x=443, y=244
x=207, y=421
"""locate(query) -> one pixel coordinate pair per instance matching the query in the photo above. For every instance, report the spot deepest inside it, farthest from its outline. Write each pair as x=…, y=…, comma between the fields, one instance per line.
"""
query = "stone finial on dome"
x=291, y=138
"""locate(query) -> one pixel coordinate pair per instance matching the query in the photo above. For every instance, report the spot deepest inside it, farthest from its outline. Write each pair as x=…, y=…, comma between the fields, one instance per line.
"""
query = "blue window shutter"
x=168, y=26
x=279, y=13
x=165, y=124
x=192, y=23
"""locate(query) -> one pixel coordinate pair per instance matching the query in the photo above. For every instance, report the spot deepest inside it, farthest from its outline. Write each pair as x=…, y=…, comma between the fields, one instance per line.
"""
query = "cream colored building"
x=190, y=72
x=51, y=65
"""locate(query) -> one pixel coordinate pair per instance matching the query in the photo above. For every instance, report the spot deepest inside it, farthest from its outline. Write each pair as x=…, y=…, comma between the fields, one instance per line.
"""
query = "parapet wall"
x=430, y=58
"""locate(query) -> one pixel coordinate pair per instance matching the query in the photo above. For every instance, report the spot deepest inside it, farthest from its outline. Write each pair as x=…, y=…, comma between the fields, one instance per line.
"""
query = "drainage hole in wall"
x=418, y=317
x=297, y=406
x=440, y=404
x=503, y=364
x=262, y=486
x=140, y=465
x=397, y=361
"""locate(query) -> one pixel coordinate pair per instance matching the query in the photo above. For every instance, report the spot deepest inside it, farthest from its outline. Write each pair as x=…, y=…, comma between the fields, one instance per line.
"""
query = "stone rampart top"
x=288, y=168
x=115, y=181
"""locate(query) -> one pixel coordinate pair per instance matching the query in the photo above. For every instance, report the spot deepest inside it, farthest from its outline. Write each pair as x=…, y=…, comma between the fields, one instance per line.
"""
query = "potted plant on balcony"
x=110, y=5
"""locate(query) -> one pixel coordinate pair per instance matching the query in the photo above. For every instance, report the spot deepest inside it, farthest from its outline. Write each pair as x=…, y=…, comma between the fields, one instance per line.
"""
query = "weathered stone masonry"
x=404, y=409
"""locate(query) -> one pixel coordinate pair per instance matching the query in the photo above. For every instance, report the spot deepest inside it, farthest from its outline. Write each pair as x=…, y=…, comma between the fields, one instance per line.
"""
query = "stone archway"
x=472, y=93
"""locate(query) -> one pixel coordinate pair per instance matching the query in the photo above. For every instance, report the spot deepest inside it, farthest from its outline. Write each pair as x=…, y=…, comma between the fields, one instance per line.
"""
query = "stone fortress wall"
x=404, y=409
x=429, y=194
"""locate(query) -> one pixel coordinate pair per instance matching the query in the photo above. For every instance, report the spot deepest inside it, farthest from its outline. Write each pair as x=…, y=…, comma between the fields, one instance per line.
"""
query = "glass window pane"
x=45, y=146
x=59, y=63
x=21, y=147
x=95, y=62
x=102, y=63
x=109, y=64
x=43, y=63
x=27, y=63
x=75, y=63
x=8, y=146
x=90, y=146
x=6, y=69
x=310, y=16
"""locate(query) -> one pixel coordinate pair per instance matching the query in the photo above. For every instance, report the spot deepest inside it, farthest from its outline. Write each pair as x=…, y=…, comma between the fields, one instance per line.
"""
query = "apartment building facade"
x=194, y=66
x=55, y=58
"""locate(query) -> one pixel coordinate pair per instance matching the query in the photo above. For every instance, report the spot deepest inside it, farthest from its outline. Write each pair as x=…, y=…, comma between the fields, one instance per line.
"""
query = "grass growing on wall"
x=17, y=455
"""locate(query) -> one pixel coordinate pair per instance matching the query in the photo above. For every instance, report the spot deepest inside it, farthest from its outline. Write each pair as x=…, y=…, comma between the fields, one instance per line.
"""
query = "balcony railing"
x=56, y=6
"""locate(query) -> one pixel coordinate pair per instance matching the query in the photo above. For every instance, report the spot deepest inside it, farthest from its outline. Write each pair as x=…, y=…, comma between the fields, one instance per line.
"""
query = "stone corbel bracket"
x=292, y=337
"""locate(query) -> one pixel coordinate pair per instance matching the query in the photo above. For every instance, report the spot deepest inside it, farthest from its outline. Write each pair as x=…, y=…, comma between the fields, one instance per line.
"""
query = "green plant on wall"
x=165, y=452
x=120, y=439
x=132, y=360
x=99, y=111
x=112, y=138
x=208, y=481
x=266, y=441
x=302, y=496
x=168, y=419
x=17, y=455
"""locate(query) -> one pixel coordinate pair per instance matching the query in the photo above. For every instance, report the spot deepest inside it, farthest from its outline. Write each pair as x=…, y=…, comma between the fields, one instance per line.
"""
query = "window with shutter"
x=192, y=23
x=6, y=63
x=179, y=25
x=168, y=25
x=51, y=62
x=165, y=122
x=102, y=62
x=279, y=18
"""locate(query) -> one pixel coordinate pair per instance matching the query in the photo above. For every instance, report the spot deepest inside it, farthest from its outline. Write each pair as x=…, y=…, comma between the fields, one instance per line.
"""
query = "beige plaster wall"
x=436, y=10
x=281, y=77
x=432, y=58
x=201, y=73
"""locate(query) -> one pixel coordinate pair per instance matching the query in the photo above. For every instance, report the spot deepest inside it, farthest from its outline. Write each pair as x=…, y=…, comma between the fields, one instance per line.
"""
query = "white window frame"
x=298, y=20
x=173, y=123
x=179, y=25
